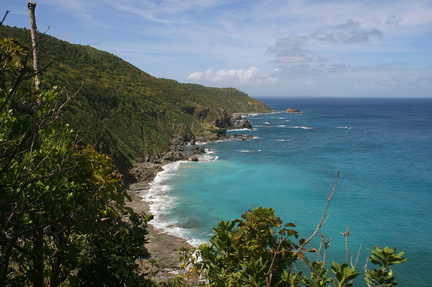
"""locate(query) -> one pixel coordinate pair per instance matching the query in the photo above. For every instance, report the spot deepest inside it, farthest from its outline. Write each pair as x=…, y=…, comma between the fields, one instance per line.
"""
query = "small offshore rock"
x=292, y=110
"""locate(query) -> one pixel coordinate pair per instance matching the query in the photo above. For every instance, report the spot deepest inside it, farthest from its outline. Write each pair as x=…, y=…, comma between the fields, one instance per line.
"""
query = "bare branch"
x=323, y=218
x=34, y=38
x=358, y=256
x=275, y=253
x=326, y=244
x=4, y=17
x=346, y=234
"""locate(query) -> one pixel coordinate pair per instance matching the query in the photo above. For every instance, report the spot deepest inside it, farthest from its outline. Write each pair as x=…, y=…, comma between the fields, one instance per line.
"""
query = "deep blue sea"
x=382, y=148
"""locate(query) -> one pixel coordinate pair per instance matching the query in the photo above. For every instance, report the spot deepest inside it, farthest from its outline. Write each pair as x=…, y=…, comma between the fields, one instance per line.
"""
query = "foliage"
x=258, y=250
x=62, y=206
x=384, y=258
x=245, y=251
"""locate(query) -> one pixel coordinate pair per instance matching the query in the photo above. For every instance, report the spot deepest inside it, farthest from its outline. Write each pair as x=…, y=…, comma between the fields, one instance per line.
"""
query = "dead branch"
x=4, y=17
x=346, y=234
x=34, y=39
x=323, y=218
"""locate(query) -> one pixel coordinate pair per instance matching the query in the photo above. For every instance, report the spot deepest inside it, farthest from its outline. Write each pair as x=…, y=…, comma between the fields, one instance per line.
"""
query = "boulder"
x=197, y=150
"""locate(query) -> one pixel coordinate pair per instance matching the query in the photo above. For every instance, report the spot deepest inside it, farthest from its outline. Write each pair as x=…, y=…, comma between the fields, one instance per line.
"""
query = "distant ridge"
x=126, y=112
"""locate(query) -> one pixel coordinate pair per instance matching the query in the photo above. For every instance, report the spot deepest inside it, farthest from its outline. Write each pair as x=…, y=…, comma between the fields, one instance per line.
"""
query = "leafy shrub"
x=258, y=250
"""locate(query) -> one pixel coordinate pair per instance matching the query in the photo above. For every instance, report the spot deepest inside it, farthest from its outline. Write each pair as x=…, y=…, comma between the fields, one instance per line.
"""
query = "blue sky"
x=272, y=48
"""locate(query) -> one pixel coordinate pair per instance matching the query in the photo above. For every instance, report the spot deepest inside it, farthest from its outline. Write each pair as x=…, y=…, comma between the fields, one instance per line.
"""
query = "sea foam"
x=161, y=200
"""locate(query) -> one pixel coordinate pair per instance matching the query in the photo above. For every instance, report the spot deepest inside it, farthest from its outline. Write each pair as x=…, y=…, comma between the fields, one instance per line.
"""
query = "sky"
x=266, y=48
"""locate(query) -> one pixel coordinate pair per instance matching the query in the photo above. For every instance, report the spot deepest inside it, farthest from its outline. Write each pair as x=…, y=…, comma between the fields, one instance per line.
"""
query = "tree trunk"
x=38, y=258
x=34, y=38
x=38, y=243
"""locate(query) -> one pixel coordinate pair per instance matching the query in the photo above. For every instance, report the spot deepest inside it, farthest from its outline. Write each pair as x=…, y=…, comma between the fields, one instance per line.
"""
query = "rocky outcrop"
x=238, y=122
x=230, y=122
x=223, y=121
x=292, y=110
x=213, y=134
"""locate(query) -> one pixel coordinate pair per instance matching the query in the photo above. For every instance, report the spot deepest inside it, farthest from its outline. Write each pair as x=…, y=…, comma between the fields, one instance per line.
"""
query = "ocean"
x=382, y=148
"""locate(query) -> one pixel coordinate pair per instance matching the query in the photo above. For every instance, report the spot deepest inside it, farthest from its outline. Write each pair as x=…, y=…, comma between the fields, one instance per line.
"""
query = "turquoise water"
x=384, y=194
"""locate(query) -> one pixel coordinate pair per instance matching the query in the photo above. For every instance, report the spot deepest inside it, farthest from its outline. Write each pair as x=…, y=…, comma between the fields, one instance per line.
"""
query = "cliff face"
x=127, y=113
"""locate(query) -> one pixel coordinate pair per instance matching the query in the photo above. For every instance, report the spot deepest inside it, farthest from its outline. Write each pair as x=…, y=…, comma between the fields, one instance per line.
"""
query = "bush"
x=258, y=250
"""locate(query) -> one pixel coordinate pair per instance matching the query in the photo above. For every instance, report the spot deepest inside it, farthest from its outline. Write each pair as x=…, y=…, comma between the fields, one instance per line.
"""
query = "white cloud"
x=196, y=76
x=250, y=76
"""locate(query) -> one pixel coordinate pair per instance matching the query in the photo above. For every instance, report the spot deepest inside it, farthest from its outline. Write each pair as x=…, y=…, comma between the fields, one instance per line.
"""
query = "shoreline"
x=161, y=246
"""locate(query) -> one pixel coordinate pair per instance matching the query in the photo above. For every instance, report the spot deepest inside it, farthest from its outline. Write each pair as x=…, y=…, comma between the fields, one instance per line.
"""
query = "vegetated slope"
x=124, y=111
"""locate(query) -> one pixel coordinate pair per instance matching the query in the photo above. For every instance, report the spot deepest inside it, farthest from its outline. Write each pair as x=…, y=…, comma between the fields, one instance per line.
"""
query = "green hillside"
x=124, y=111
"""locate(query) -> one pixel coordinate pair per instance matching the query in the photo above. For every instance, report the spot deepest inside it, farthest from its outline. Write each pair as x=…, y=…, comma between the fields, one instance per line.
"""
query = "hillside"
x=126, y=112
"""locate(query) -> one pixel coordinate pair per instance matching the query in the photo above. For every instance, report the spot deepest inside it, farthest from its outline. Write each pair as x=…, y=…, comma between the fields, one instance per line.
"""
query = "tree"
x=62, y=206
x=252, y=251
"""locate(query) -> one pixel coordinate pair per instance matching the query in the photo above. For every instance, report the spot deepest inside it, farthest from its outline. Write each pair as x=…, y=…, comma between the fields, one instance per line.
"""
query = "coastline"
x=163, y=259
x=162, y=247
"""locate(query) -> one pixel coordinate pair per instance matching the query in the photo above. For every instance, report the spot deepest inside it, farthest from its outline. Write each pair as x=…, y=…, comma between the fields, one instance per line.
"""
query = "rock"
x=146, y=171
x=216, y=134
x=173, y=155
x=243, y=137
x=197, y=150
x=292, y=110
x=226, y=122
x=237, y=122
x=193, y=158
x=223, y=121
